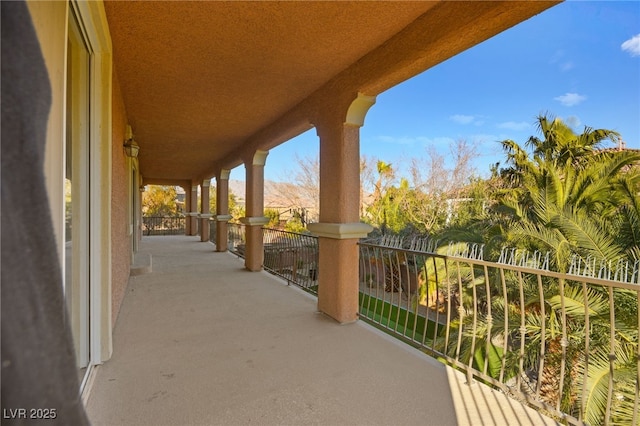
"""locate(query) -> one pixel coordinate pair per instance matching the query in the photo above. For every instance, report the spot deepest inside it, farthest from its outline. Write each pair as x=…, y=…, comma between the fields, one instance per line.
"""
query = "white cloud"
x=512, y=125
x=476, y=120
x=570, y=99
x=632, y=45
x=462, y=119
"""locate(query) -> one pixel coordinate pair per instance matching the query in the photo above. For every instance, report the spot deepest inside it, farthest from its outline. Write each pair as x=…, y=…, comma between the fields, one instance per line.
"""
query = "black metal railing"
x=292, y=256
x=289, y=255
x=565, y=343
x=163, y=225
x=236, y=238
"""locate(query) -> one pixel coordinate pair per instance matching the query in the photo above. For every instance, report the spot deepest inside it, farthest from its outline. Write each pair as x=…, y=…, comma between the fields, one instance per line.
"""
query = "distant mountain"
x=237, y=187
x=276, y=194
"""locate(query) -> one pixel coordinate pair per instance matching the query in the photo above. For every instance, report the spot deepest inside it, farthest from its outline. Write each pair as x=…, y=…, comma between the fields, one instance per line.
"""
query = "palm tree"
x=589, y=211
x=572, y=199
x=567, y=196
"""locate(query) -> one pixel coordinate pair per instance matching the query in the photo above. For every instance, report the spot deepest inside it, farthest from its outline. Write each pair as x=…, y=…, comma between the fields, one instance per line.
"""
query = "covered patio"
x=201, y=340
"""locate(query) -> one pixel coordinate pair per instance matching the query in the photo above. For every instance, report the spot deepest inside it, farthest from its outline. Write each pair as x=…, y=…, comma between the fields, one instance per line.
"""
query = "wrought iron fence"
x=163, y=225
x=289, y=255
x=213, y=230
x=292, y=256
x=236, y=239
x=564, y=343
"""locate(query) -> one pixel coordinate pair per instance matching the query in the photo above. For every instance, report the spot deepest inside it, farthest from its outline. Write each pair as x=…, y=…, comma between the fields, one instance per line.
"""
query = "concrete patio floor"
x=201, y=341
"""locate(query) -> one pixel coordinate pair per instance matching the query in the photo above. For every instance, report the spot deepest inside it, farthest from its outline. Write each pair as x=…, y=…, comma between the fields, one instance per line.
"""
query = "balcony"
x=200, y=340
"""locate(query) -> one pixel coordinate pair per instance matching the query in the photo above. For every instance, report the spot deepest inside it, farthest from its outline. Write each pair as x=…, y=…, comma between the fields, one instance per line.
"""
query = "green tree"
x=274, y=218
x=394, y=208
x=377, y=210
x=436, y=195
x=235, y=210
x=159, y=201
x=570, y=197
x=295, y=225
x=213, y=194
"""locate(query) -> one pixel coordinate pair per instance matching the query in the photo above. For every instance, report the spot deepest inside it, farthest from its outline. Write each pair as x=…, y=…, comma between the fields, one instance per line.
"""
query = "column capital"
x=206, y=182
x=222, y=217
x=223, y=174
x=205, y=215
x=259, y=158
x=254, y=221
x=350, y=111
x=358, y=109
x=340, y=231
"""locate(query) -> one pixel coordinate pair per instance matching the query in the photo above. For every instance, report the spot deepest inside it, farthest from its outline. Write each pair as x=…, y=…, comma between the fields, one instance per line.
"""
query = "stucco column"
x=194, y=207
x=339, y=228
x=187, y=209
x=254, y=210
x=204, y=210
x=192, y=210
x=222, y=209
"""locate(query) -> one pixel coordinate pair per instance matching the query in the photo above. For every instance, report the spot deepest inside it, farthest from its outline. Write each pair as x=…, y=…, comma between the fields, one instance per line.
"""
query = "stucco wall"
x=120, y=240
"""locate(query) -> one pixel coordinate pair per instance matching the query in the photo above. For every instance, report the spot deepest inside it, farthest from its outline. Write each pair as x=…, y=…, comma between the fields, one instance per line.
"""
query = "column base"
x=338, y=279
x=222, y=234
x=204, y=226
x=339, y=269
x=254, y=250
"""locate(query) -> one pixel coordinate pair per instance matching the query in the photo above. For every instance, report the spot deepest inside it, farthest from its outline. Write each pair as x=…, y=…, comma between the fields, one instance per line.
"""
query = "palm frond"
x=588, y=236
x=597, y=304
x=533, y=236
x=599, y=370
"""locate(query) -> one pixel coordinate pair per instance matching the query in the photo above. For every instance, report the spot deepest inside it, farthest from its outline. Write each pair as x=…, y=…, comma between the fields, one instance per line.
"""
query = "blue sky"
x=579, y=61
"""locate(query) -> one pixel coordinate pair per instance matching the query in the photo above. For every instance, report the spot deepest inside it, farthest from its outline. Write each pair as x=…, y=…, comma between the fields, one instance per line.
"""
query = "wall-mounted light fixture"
x=131, y=148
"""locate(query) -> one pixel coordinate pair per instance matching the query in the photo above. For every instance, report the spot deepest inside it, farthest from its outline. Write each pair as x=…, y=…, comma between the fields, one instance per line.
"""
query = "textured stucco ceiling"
x=201, y=79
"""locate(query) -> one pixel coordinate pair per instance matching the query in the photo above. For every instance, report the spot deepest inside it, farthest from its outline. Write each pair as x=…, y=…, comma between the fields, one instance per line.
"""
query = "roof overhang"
x=205, y=84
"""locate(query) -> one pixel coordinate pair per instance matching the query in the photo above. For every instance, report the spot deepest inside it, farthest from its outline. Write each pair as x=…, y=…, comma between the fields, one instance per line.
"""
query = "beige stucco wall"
x=120, y=239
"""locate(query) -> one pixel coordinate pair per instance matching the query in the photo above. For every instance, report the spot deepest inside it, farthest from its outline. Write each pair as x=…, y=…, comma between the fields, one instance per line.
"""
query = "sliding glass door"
x=77, y=210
